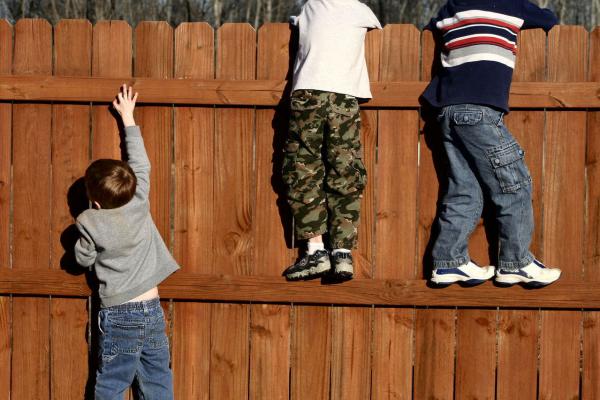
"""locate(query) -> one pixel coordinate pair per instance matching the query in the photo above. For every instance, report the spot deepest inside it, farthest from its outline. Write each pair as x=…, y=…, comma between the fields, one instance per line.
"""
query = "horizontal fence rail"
x=264, y=289
x=269, y=93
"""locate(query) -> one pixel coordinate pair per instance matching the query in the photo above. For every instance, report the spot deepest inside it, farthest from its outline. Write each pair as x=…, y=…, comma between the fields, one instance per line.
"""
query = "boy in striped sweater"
x=470, y=93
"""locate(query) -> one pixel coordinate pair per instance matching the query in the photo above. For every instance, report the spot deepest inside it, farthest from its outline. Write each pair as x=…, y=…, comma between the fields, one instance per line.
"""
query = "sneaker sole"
x=511, y=280
x=445, y=280
x=314, y=272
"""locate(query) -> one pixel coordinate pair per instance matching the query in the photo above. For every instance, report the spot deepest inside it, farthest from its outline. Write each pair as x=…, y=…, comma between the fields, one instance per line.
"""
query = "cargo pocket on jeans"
x=509, y=167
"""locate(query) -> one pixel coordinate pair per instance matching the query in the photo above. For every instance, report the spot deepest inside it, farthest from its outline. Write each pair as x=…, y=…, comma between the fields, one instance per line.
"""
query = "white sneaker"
x=535, y=274
x=469, y=274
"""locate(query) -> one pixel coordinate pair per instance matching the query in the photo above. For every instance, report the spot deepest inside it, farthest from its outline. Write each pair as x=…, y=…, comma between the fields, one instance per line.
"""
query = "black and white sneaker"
x=342, y=266
x=535, y=274
x=309, y=266
x=469, y=274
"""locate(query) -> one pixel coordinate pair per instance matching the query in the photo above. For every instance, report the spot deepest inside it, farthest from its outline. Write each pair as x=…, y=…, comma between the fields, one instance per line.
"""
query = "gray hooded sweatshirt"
x=123, y=244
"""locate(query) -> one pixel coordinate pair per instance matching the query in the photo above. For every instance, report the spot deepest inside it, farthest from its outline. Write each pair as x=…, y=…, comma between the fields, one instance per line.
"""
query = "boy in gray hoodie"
x=119, y=238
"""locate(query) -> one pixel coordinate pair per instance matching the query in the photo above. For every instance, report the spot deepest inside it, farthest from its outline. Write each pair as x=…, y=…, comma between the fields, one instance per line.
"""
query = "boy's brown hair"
x=111, y=183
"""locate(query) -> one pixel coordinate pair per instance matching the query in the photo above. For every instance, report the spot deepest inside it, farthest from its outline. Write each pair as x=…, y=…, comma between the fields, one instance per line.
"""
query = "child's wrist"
x=128, y=120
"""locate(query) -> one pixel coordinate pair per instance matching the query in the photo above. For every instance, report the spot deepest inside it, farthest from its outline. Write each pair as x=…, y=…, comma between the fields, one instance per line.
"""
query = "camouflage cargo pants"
x=323, y=167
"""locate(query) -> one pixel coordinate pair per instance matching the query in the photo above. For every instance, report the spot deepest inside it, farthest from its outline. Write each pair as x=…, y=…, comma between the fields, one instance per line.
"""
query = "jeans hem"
x=444, y=264
x=514, y=266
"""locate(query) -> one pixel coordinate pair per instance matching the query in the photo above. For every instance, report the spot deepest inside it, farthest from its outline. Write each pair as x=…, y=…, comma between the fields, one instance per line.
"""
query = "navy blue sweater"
x=479, y=49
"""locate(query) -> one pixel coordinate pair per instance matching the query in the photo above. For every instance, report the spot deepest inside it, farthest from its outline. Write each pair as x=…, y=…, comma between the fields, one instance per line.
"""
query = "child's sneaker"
x=342, y=265
x=535, y=274
x=309, y=266
x=469, y=274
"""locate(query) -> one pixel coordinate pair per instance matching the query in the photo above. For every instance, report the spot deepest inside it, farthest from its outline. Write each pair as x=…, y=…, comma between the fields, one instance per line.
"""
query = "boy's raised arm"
x=137, y=158
x=85, y=249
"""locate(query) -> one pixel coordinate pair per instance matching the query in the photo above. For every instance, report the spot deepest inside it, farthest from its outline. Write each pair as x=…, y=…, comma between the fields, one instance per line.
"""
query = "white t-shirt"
x=331, y=52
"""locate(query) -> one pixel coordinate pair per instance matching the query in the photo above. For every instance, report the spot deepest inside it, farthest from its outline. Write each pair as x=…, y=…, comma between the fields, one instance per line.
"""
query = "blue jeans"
x=133, y=345
x=485, y=161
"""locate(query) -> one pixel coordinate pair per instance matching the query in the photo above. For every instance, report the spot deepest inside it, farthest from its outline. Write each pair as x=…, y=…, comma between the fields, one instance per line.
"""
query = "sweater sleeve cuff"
x=133, y=131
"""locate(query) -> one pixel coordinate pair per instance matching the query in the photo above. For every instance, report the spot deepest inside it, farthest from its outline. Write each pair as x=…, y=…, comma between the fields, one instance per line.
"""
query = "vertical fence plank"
x=517, y=355
x=233, y=191
x=396, y=216
x=350, y=353
x=351, y=326
x=434, y=354
x=111, y=58
x=6, y=46
x=70, y=154
x=591, y=324
x=31, y=214
x=435, y=329
x=270, y=324
x=194, y=207
x=363, y=255
x=311, y=364
x=517, y=332
x=154, y=59
x=475, y=374
x=563, y=199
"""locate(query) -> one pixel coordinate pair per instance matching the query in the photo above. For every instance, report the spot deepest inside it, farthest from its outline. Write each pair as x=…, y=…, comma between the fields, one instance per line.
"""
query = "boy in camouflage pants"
x=323, y=167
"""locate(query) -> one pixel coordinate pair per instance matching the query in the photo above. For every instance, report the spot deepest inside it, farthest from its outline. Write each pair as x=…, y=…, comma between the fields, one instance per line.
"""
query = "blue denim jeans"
x=485, y=161
x=133, y=345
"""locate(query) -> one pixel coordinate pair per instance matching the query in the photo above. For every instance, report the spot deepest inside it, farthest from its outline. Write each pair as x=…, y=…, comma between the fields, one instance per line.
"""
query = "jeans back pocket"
x=467, y=117
x=508, y=163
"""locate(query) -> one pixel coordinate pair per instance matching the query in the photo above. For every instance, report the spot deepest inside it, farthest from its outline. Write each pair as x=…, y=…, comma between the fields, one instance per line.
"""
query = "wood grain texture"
x=590, y=387
x=5, y=346
x=518, y=333
x=111, y=58
x=270, y=330
x=351, y=327
x=311, y=352
x=194, y=208
x=559, y=369
x=393, y=353
x=382, y=292
x=525, y=95
x=233, y=218
x=6, y=44
x=31, y=214
x=517, y=354
x=564, y=196
x=229, y=352
x=475, y=375
x=434, y=329
x=351, y=353
x=365, y=251
x=396, y=217
x=270, y=325
x=434, y=354
x=154, y=58
x=591, y=320
x=190, y=354
x=397, y=151
x=70, y=156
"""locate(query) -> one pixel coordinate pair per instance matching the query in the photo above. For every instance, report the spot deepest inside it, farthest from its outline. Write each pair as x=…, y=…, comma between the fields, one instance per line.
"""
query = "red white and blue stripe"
x=478, y=35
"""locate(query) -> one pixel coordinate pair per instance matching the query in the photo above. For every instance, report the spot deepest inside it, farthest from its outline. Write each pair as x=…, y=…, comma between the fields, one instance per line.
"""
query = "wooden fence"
x=214, y=122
